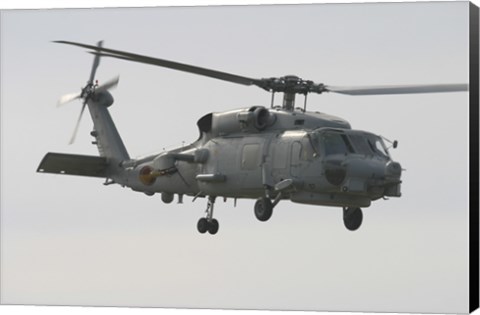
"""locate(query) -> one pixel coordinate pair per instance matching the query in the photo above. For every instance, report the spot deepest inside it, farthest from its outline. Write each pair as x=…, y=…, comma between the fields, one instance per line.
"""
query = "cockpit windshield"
x=359, y=142
x=378, y=146
x=369, y=144
x=336, y=143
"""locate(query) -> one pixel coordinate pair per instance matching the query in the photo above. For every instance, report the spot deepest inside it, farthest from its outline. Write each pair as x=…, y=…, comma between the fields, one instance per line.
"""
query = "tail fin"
x=108, y=140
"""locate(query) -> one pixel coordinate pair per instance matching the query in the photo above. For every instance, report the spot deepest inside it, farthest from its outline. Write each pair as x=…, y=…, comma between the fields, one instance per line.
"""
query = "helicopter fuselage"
x=309, y=158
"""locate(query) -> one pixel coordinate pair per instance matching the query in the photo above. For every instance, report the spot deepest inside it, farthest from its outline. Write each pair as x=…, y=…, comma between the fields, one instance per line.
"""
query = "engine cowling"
x=253, y=119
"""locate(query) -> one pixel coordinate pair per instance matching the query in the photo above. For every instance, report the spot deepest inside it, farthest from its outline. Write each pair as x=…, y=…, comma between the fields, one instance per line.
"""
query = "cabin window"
x=280, y=154
x=250, y=156
x=296, y=152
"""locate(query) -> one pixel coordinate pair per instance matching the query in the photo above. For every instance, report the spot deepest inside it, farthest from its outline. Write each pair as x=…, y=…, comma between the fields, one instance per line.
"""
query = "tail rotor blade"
x=109, y=84
x=96, y=62
x=68, y=98
x=88, y=91
x=77, y=124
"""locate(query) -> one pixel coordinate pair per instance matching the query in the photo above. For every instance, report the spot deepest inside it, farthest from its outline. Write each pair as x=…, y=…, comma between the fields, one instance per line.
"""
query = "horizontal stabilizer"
x=72, y=164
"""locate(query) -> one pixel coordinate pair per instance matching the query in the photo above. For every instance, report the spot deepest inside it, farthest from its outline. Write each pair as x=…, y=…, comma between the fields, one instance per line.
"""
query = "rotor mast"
x=288, y=101
x=290, y=83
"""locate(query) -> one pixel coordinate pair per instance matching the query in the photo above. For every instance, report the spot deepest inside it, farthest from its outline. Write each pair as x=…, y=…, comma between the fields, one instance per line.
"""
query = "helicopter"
x=269, y=154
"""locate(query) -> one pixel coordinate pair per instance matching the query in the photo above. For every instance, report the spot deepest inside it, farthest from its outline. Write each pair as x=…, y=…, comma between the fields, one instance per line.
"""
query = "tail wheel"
x=263, y=209
x=352, y=218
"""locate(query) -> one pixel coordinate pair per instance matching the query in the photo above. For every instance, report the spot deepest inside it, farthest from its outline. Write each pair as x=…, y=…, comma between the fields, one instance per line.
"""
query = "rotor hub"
x=88, y=90
x=291, y=84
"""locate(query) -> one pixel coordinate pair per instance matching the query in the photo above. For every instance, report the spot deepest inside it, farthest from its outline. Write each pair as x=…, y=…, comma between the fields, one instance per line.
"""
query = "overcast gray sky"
x=71, y=240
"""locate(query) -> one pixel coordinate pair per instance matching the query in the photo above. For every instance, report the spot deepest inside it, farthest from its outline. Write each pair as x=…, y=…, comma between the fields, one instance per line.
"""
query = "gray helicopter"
x=268, y=154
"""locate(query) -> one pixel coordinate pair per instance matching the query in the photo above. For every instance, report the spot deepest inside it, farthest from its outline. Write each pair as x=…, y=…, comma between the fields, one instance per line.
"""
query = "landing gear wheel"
x=263, y=209
x=352, y=218
x=202, y=225
x=208, y=223
x=213, y=227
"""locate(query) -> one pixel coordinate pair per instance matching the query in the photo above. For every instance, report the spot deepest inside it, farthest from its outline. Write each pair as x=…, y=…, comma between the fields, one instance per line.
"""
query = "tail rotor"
x=88, y=91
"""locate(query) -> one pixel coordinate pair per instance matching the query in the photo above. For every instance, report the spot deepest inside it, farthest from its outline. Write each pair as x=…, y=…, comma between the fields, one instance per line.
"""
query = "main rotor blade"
x=78, y=123
x=397, y=89
x=168, y=64
x=67, y=98
x=96, y=62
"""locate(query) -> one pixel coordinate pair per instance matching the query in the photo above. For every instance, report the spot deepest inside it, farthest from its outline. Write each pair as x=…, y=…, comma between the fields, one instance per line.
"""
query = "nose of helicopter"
x=393, y=170
x=371, y=176
x=393, y=173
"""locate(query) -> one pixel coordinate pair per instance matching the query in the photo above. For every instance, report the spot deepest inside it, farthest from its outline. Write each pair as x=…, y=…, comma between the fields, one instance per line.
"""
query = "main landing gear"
x=263, y=209
x=352, y=218
x=208, y=223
